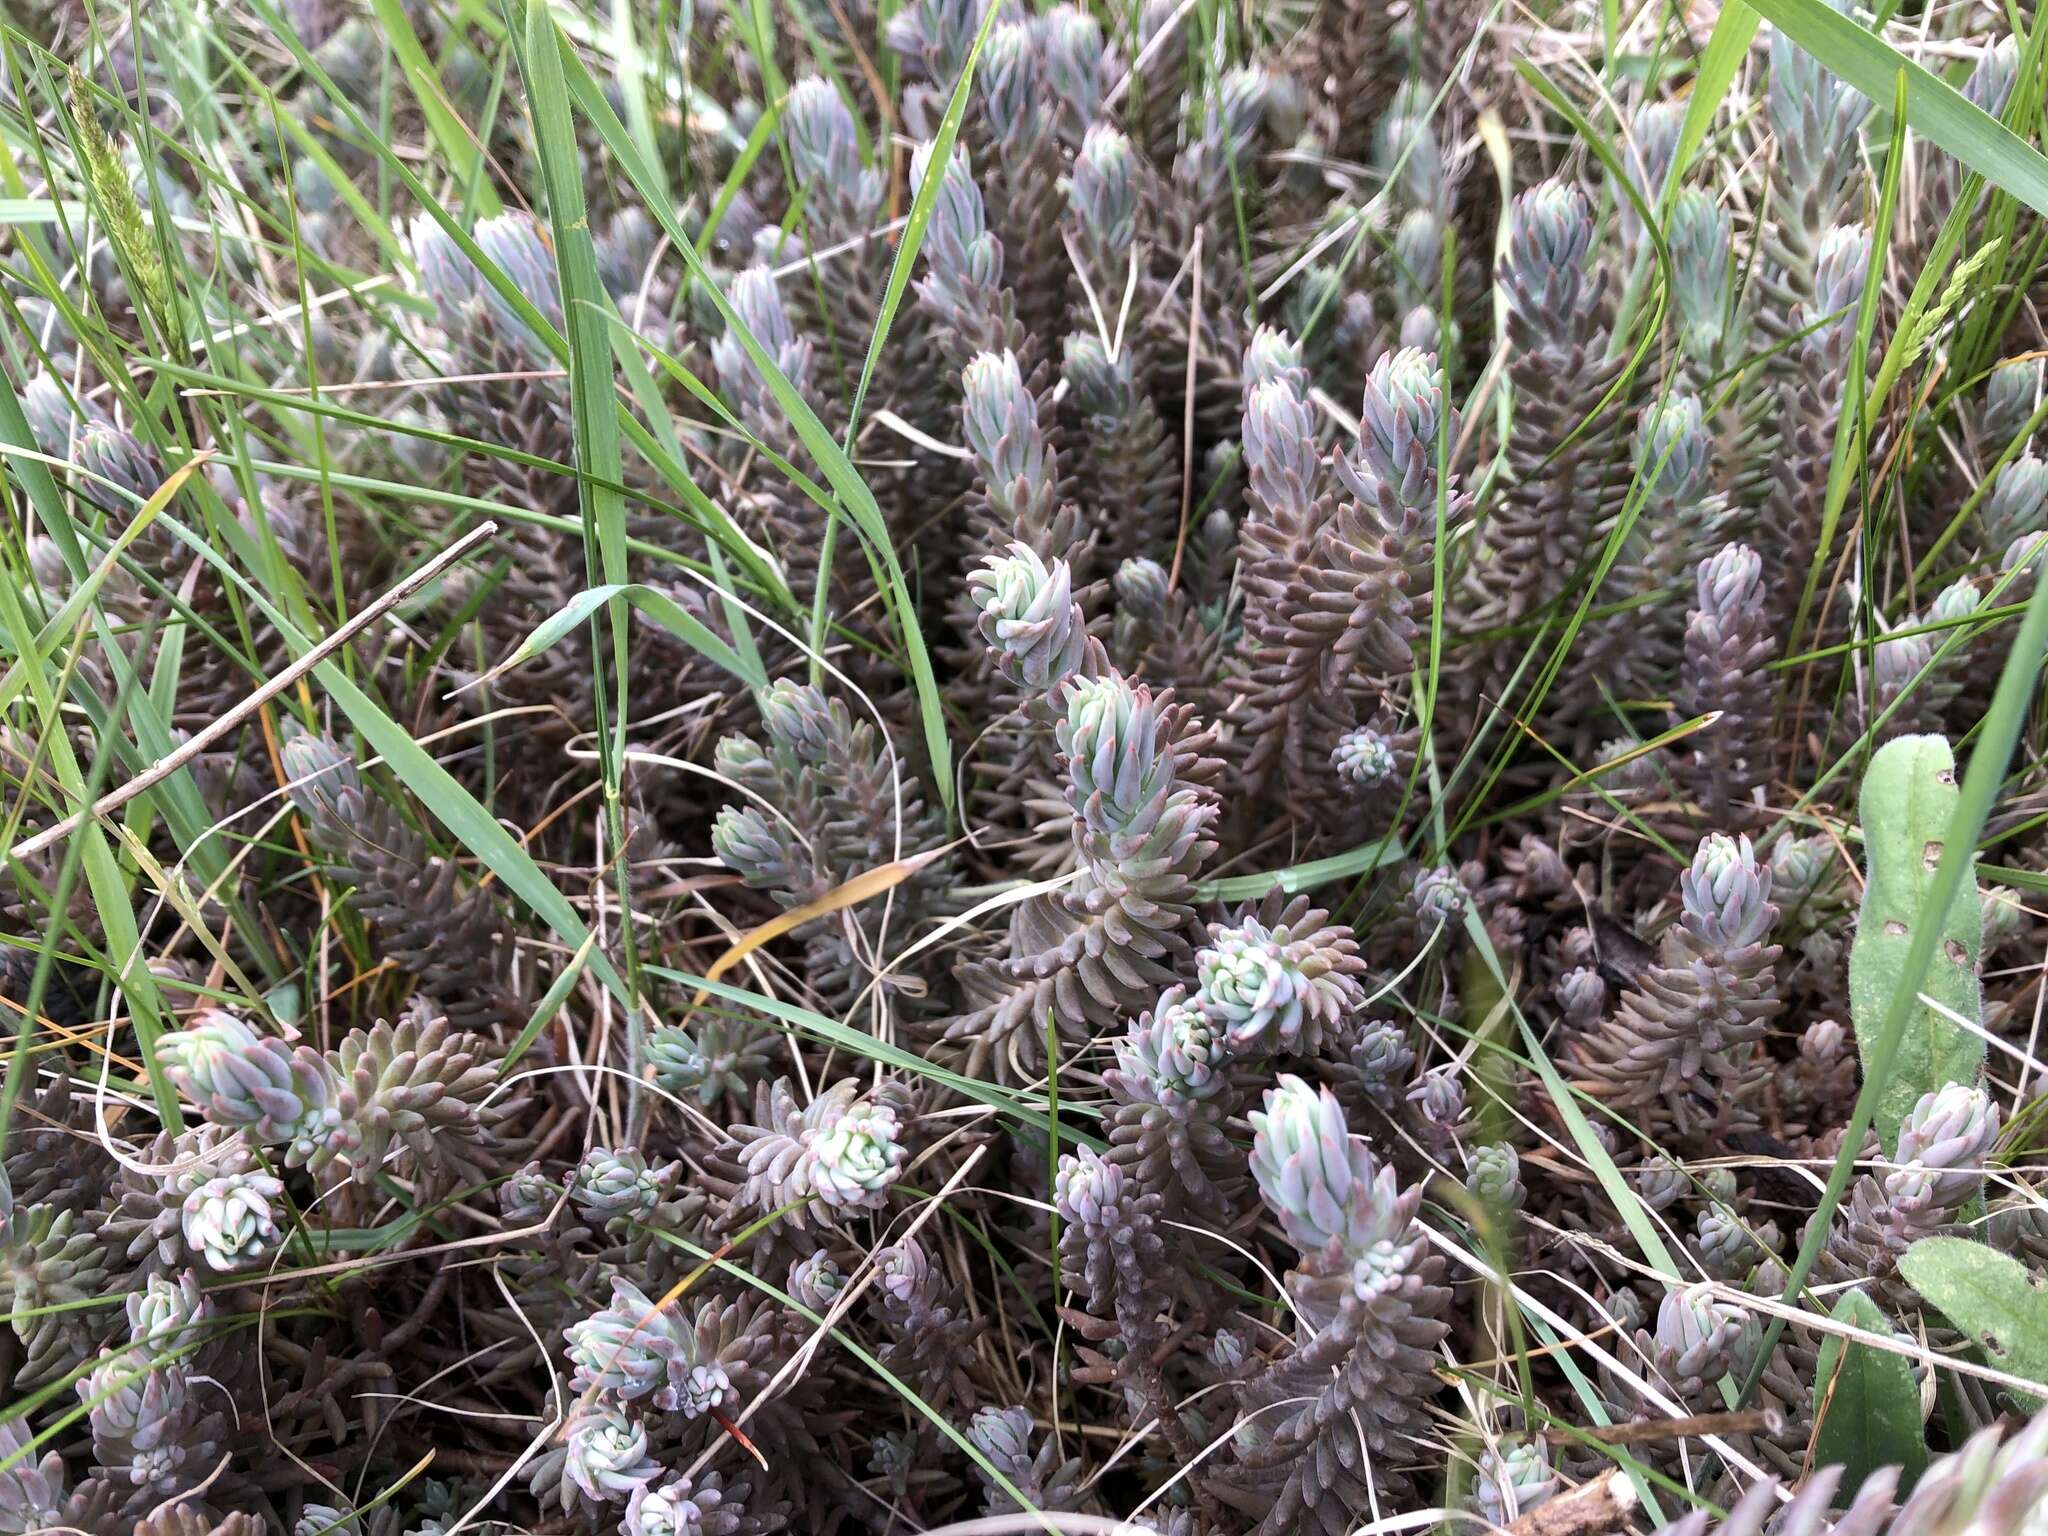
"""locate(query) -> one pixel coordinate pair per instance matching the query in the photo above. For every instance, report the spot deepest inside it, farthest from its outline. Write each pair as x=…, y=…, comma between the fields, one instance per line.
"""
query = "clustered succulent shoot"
x=1224, y=770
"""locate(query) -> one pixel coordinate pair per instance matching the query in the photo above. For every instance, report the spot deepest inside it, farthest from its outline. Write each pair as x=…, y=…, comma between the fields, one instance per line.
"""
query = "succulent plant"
x=1336, y=557
x=1278, y=989
x=607, y=1454
x=1685, y=1044
x=1440, y=1110
x=47, y=1259
x=634, y=1349
x=191, y=1517
x=1582, y=994
x=610, y=1186
x=149, y=1433
x=1368, y=1303
x=34, y=1491
x=165, y=1311
x=1375, y=1058
x=816, y=1280
x=1139, y=834
x=1701, y=273
x=1110, y=1245
x=1019, y=467
x=1660, y=1182
x=1266, y=619
x=230, y=1222
x=1174, y=1091
x=1636, y=650
x=321, y=1519
x=280, y=1094
x=1008, y=1439
x=932, y=1331
x=1102, y=203
x=1991, y=1483
x=1364, y=758
x=830, y=800
x=963, y=287
x=1727, y=1247
x=1819, y=295
x=1698, y=1340
x=834, y=1157
x=1493, y=1176
x=1438, y=897
x=1816, y=120
x=2017, y=502
x=420, y=1092
x=1729, y=640
x=2011, y=396
x=717, y=1060
x=1513, y=1480
x=1560, y=373
x=451, y=939
x=1305, y=1164
x=1937, y=1172
x=1028, y=619
x=854, y=1157
x=705, y=1506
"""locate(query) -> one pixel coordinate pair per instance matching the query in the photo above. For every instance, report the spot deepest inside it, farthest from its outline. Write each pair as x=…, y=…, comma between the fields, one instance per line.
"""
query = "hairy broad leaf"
x=1988, y=1295
x=1909, y=811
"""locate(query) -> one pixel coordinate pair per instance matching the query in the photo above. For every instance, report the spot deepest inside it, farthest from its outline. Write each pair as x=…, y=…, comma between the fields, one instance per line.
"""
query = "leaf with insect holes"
x=1869, y=1407
x=1988, y=1295
x=1909, y=806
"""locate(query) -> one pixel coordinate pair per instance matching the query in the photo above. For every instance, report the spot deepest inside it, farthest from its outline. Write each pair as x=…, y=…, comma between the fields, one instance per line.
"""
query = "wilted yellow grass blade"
x=862, y=887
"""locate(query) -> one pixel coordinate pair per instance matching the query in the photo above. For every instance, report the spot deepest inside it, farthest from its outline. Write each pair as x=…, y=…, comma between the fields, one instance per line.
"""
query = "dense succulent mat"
x=1154, y=767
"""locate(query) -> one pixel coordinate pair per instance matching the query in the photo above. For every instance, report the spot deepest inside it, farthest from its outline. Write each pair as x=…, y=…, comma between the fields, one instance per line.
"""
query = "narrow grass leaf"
x=652, y=601
x=899, y=278
x=1847, y=460
x=1937, y=111
x=1018, y=1105
x=855, y=497
x=1720, y=62
x=451, y=135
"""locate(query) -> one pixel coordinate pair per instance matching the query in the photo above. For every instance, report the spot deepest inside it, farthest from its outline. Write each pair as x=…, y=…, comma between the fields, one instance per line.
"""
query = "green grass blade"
x=1362, y=860
x=658, y=606
x=1937, y=111
x=742, y=167
x=1846, y=461
x=594, y=413
x=451, y=134
x=1720, y=62
x=1019, y=1106
x=892, y=296
x=463, y=816
x=452, y=805
x=856, y=500
x=742, y=550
